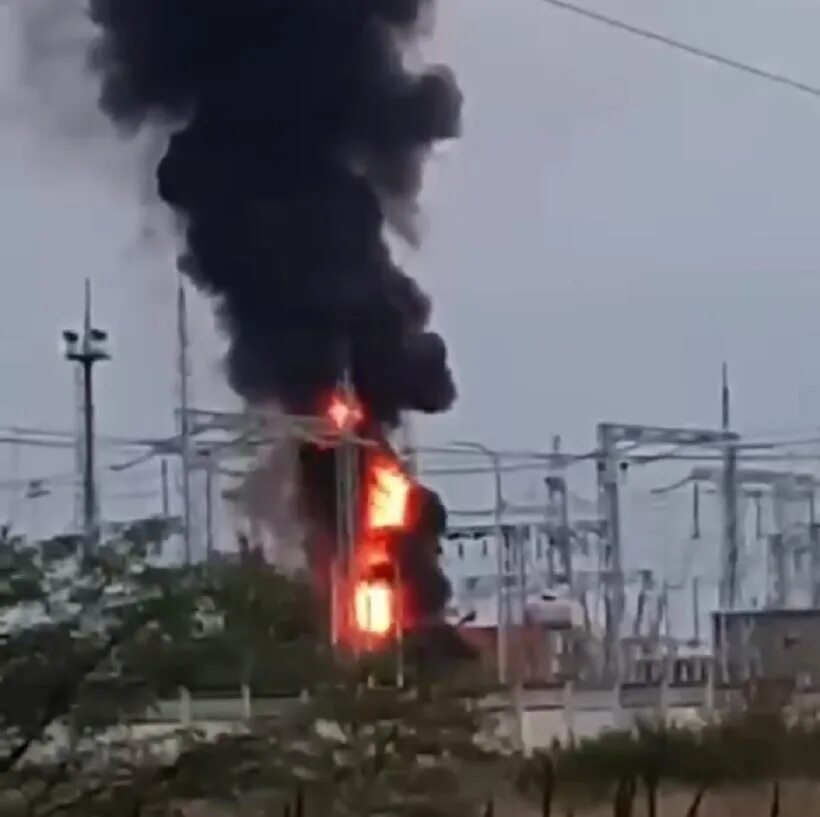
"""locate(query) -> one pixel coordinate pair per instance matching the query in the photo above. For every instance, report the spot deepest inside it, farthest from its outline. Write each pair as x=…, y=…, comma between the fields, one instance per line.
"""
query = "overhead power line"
x=693, y=50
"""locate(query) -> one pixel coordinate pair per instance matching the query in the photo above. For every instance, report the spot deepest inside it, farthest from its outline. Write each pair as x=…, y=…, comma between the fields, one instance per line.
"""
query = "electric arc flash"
x=344, y=412
x=387, y=497
x=373, y=607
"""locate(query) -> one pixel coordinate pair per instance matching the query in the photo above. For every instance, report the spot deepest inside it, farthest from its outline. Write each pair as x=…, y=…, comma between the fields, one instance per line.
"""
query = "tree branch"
x=61, y=699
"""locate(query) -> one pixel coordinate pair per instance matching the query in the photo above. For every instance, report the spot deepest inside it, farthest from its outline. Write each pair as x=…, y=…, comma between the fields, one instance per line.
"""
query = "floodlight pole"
x=86, y=350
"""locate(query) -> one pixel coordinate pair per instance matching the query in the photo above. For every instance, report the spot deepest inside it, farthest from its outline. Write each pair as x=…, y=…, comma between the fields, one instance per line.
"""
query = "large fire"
x=387, y=496
x=373, y=607
x=374, y=592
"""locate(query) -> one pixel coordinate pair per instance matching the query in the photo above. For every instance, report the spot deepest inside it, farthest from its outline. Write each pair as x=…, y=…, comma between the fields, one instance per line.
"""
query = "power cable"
x=785, y=457
x=25, y=432
x=693, y=50
x=665, y=489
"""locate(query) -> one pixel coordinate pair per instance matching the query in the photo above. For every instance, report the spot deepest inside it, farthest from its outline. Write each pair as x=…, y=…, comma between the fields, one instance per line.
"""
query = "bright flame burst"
x=388, y=496
x=387, y=499
x=373, y=607
x=344, y=412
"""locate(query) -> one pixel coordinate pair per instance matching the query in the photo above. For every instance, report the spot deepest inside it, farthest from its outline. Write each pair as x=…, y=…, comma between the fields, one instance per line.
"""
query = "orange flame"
x=373, y=607
x=344, y=412
x=388, y=496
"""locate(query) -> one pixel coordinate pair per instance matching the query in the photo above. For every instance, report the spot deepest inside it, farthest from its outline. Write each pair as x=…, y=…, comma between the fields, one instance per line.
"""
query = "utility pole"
x=85, y=350
x=411, y=463
x=79, y=447
x=696, y=609
x=727, y=593
x=779, y=581
x=557, y=485
x=520, y=542
x=814, y=540
x=165, y=506
x=695, y=511
x=209, y=506
x=647, y=582
x=502, y=553
x=502, y=563
x=166, y=500
x=729, y=581
x=609, y=504
x=184, y=418
x=347, y=482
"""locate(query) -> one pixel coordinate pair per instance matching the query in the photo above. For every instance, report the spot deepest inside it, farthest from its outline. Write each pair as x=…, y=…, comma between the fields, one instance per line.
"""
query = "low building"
x=530, y=652
x=547, y=629
x=550, y=647
x=768, y=644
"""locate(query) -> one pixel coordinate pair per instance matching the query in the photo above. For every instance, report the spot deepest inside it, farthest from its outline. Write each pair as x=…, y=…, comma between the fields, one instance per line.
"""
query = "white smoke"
x=268, y=495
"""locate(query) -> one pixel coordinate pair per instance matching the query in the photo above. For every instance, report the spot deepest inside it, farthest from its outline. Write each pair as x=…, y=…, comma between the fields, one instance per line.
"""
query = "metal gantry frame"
x=785, y=486
x=503, y=597
x=226, y=435
x=611, y=459
x=215, y=438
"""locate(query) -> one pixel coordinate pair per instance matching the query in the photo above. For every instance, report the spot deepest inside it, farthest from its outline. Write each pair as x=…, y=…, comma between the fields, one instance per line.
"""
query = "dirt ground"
x=797, y=800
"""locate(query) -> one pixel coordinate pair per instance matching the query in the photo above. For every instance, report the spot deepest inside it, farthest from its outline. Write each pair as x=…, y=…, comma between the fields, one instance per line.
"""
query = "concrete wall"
x=530, y=718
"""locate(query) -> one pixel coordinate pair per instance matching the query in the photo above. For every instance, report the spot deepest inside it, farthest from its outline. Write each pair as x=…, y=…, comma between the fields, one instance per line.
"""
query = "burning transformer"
x=295, y=134
x=374, y=546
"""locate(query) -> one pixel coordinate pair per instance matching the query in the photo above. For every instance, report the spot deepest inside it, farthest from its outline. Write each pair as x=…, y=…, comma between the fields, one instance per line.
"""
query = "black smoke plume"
x=298, y=128
x=297, y=124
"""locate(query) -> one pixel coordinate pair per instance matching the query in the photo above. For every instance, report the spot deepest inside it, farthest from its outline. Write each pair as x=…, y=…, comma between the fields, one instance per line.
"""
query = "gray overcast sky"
x=617, y=219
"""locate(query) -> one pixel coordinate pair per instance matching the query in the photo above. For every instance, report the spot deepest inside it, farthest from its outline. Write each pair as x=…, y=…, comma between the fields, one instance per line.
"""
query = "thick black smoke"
x=299, y=126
